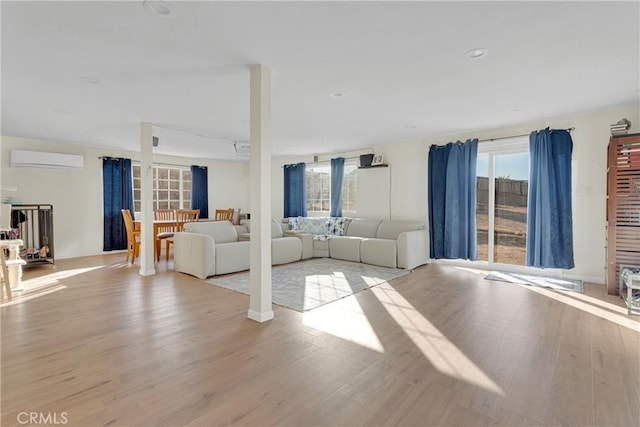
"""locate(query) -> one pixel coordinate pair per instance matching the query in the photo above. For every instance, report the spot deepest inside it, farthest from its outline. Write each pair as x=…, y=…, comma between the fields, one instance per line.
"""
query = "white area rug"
x=543, y=282
x=308, y=284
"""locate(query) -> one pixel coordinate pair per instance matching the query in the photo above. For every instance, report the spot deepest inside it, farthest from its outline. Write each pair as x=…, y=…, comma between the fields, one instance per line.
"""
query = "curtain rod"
x=518, y=136
x=153, y=163
x=320, y=161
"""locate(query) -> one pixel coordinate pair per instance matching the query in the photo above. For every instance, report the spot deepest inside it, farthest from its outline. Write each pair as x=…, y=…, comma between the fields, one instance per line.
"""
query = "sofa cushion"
x=320, y=248
x=345, y=248
x=382, y=252
x=363, y=227
x=390, y=229
x=276, y=228
x=313, y=225
x=221, y=231
x=232, y=257
x=285, y=250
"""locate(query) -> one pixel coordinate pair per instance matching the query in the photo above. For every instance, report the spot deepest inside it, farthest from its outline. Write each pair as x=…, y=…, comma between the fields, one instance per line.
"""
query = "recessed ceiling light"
x=515, y=110
x=157, y=7
x=411, y=126
x=476, y=53
x=336, y=94
x=325, y=142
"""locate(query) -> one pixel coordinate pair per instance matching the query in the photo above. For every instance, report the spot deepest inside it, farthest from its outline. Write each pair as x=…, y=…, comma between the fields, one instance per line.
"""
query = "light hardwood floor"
x=441, y=346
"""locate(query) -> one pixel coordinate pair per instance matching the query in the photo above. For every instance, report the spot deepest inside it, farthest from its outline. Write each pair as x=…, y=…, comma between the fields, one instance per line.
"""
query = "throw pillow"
x=335, y=226
x=294, y=224
x=312, y=225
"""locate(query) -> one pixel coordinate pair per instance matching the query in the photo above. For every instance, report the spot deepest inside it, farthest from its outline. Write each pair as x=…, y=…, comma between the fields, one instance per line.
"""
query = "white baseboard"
x=260, y=316
x=149, y=272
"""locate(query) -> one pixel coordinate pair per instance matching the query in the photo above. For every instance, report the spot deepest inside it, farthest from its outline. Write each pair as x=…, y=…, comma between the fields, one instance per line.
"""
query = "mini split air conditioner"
x=40, y=159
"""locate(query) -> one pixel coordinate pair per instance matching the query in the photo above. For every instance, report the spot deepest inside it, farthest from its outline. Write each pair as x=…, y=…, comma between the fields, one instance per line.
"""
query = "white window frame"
x=491, y=149
x=183, y=204
x=327, y=166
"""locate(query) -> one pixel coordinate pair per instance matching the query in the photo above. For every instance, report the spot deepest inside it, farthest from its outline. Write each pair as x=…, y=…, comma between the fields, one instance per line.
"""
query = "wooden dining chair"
x=235, y=217
x=223, y=215
x=164, y=231
x=182, y=216
x=133, y=236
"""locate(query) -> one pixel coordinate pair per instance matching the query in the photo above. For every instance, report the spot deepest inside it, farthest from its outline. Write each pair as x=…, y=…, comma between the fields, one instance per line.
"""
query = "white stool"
x=11, y=266
x=5, y=277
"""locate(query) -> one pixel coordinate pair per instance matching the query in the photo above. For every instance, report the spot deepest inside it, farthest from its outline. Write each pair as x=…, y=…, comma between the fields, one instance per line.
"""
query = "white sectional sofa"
x=212, y=248
x=387, y=243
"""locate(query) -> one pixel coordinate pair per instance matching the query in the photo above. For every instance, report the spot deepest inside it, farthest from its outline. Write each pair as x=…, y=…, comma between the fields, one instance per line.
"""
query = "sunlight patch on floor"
x=595, y=301
x=36, y=293
x=344, y=319
x=441, y=352
x=621, y=320
x=44, y=285
x=54, y=278
x=372, y=281
x=123, y=264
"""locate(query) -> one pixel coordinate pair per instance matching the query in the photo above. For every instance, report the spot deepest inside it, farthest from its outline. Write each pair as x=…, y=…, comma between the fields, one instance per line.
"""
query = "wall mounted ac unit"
x=41, y=159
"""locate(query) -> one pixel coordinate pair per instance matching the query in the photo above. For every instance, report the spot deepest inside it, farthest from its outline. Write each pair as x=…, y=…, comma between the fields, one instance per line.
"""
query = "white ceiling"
x=90, y=72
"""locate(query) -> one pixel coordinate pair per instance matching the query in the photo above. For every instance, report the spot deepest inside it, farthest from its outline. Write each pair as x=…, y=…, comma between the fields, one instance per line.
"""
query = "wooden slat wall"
x=623, y=206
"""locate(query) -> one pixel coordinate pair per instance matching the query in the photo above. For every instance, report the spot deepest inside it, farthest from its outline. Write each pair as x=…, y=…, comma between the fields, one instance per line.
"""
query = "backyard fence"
x=509, y=192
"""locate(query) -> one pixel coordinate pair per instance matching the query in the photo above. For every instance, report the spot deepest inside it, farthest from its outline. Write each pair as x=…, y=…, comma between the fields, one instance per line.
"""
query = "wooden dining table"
x=157, y=225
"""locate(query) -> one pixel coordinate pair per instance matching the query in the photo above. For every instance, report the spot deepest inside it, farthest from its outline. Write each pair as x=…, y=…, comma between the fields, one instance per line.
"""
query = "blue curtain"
x=549, y=217
x=337, y=173
x=295, y=190
x=452, y=200
x=117, y=194
x=200, y=190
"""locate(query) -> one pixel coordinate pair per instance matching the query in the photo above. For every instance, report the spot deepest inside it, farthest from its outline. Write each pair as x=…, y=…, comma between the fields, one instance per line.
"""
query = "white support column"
x=260, y=308
x=147, y=257
x=5, y=209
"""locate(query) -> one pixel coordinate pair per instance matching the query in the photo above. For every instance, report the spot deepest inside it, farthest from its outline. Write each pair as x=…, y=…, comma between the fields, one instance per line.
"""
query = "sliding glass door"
x=501, y=207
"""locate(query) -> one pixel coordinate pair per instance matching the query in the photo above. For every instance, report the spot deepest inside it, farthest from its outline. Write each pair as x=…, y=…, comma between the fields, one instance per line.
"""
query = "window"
x=501, y=201
x=319, y=188
x=171, y=187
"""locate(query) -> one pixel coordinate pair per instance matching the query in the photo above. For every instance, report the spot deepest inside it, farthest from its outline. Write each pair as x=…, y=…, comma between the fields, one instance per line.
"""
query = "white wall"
x=408, y=167
x=374, y=193
x=76, y=196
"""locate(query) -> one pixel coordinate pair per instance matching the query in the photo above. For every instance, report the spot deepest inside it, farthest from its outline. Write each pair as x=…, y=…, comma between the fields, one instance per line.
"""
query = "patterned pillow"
x=294, y=224
x=335, y=226
x=322, y=237
x=313, y=225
